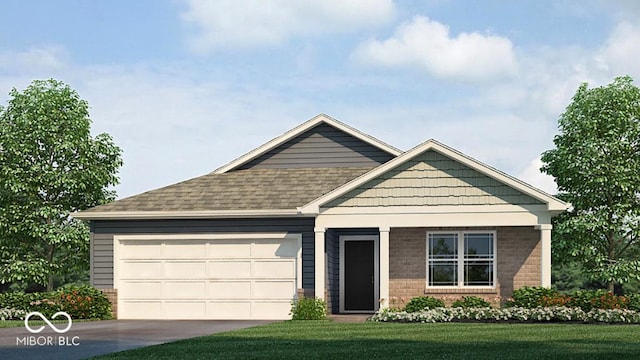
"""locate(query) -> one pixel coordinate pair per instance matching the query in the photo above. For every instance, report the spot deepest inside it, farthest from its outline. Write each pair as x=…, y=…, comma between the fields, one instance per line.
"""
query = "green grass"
x=328, y=340
x=12, y=323
x=20, y=323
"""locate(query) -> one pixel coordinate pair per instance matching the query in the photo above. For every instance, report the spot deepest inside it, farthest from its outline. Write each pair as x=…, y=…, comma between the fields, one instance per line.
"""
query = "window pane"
x=443, y=273
x=443, y=246
x=478, y=245
x=478, y=273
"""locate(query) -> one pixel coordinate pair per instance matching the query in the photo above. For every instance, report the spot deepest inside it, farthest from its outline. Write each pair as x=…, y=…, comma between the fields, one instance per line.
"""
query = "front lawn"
x=329, y=340
x=20, y=323
x=12, y=323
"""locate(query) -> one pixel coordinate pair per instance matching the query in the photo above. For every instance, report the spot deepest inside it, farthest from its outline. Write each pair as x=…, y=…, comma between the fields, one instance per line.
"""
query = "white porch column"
x=545, y=242
x=319, y=264
x=384, y=267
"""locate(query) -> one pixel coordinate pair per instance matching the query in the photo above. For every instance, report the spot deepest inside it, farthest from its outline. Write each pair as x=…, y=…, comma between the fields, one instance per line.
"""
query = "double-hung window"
x=461, y=259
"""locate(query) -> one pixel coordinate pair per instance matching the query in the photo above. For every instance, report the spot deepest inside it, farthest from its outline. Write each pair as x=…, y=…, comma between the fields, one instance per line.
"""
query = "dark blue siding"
x=321, y=146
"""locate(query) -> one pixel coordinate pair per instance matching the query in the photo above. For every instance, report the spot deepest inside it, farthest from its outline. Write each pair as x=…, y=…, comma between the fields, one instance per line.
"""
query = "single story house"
x=323, y=210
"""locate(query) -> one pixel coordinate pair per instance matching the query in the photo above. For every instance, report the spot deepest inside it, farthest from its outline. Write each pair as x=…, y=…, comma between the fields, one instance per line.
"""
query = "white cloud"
x=621, y=52
x=533, y=176
x=257, y=23
x=428, y=44
x=40, y=58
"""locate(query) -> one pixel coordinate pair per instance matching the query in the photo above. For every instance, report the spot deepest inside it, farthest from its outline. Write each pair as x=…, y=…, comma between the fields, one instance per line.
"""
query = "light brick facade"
x=518, y=264
x=112, y=296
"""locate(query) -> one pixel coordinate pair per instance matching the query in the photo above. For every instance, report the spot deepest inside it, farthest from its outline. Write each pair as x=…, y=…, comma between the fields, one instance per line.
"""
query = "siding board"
x=321, y=146
x=431, y=179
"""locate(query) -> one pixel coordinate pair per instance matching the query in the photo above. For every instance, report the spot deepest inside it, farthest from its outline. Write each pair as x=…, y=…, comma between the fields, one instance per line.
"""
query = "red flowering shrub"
x=84, y=302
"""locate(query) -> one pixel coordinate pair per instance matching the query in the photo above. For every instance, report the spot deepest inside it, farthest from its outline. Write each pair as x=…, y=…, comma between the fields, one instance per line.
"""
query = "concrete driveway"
x=87, y=339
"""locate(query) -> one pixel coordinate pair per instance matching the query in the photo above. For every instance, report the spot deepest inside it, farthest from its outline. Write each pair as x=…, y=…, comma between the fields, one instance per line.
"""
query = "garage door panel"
x=273, y=290
x=223, y=249
x=142, y=289
x=138, y=249
x=265, y=248
x=274, y=268
x=275, y=248
x=128, y=309
x=271, y=310
x=185, y=289
x=229, y=269
x=229, y=290
x=229, y=310
x=178, y=269
x=134, y=269
x=185, y=309
x=184, y=249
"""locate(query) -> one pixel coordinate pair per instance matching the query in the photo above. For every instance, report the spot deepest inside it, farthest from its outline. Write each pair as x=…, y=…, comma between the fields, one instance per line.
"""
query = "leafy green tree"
x=50, y=166
x=596, y=165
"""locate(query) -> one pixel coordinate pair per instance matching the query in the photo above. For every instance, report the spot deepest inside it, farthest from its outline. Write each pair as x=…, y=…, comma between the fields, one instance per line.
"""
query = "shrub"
x=634, y=302
x=609, y=301
x=15, y=300
x=583, y=298
x=471, y=302
x=11, y=314
x=531, y=297
x=308, y=309
x=84, y=302
x=80, y=302
x=46, y=304
x=420, y=303
x=557, y=300
x=539, y=314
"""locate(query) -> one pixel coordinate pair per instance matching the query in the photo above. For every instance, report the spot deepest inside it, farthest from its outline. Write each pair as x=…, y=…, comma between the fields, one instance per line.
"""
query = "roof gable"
x=424, y=174
x=432, y=179
x=319, y=142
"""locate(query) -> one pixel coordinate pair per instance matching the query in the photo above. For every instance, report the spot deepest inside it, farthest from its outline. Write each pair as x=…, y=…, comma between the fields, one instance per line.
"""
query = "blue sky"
x=184, y=86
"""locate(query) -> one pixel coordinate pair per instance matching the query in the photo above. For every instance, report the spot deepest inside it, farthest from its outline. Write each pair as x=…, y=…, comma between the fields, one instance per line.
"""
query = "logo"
x=53, y=327
x=48, y=340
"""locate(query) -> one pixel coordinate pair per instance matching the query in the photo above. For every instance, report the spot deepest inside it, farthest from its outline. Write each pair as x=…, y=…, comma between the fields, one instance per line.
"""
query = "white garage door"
x=214, y=276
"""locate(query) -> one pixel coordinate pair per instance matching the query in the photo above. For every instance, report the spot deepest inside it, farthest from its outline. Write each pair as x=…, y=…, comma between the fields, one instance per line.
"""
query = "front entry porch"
x=365, y=269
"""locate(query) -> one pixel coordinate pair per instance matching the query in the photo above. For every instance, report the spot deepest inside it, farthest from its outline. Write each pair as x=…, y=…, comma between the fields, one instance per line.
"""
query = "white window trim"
x=460, y=258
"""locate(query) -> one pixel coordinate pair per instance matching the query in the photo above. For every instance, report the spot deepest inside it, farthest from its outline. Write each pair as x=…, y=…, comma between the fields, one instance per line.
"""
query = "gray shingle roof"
x=254, y=189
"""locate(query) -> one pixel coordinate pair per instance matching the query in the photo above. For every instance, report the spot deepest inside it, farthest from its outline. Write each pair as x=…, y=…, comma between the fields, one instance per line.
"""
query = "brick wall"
x=112, y=295
x=407, y=264
x=518, y=256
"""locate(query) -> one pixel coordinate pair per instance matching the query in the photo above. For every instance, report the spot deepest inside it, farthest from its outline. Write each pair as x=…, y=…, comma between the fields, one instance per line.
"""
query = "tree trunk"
x=50, y=254
x=611, y=286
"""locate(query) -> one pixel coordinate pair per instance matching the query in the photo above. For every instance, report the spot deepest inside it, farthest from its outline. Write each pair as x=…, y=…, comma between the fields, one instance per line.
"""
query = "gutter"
x=205, y=214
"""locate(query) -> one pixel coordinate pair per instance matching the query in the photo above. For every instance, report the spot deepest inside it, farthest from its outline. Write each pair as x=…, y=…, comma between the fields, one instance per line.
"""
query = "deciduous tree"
x=50, y=166
x=596, y=165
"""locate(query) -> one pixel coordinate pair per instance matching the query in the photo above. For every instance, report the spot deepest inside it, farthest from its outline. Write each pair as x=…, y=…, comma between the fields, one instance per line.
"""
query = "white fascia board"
x=433, y=220
x=142, y=215
x=553, y=204
x=301, y=129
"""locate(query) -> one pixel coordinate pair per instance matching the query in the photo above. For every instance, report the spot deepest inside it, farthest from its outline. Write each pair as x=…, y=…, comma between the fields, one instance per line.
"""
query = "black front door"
x=359, y=293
